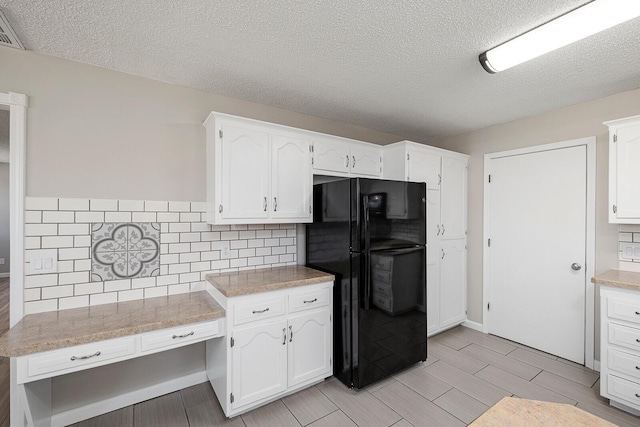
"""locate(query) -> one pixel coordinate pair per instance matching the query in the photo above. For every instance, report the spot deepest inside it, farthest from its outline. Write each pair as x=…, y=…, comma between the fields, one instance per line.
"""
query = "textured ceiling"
x=408, y=67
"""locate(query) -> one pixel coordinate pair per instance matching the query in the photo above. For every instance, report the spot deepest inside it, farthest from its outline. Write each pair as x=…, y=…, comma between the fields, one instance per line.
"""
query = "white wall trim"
x=3, y=275
x=473, y=325
x=590, y=144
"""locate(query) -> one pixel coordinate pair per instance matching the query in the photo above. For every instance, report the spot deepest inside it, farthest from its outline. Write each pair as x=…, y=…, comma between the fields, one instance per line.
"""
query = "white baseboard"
x=473, y=325
x=3, y=275
x=126, y=399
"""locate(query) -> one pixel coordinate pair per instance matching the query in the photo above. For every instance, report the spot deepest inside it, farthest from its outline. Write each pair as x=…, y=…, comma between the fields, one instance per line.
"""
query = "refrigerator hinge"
x=233, y=342
x=231, y=398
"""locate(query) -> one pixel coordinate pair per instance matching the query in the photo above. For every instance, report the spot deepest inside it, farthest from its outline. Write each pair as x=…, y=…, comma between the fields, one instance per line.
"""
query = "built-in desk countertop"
x=618, y=279
x=65, y=328
x=266, y=279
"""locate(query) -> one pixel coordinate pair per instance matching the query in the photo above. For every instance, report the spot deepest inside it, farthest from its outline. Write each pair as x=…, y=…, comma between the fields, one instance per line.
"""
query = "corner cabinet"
x=277, y=343
x=624, y=170
x=445, y=173
x=256, y=172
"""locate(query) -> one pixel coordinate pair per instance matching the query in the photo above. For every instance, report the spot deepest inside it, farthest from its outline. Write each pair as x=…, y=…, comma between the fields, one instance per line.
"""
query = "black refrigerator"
x=371, y=235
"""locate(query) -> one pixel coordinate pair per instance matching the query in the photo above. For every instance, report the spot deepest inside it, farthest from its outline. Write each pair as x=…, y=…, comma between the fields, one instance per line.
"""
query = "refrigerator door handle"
x=366, y=254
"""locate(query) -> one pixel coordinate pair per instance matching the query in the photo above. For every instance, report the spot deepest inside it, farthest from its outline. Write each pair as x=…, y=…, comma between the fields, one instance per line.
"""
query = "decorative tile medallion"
x=124, y=250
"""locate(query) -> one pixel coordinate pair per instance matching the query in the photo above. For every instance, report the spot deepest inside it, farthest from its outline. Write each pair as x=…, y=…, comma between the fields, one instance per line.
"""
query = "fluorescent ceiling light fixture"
x=582, y=22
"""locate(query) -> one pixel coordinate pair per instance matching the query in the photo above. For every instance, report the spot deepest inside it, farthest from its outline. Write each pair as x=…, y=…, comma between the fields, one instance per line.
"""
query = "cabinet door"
x=424, y=167
x=627, y=151
x=365, y=160
x=245, y=172
x=433, y=259
x=309, y=346
x=290, y=178
x=258, y=362
x=453, y=279
x=331, y=156
x=453, y=198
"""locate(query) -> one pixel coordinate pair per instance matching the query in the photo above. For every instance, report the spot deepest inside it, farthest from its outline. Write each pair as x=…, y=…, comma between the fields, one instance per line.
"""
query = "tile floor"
x=466, y=373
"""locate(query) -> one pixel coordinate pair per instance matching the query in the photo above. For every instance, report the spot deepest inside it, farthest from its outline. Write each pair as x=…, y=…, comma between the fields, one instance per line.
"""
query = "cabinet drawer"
x=381, y=276
x=80, y=357
x=381, y=262
x=623, y=310
x=382, y=302
x=179, y=336
x=308, y=300
x=265, y=308
x=381, y=289
x=624, y=362
x=629, y=391
x=624, y=336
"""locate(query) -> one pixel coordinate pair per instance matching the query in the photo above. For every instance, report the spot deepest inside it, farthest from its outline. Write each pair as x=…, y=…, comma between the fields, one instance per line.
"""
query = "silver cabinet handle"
x=615, y=209
x=275, y=204
x=637, y=340
x=439, y=179
x=438, y=233
x=96, y=354
x=284, y=336
x=442, y=253
x=575, y=266
x=443, y=229
x=260, y=311
x=353, y=164
x=638, y=313
x=347, y=164
x=638, y=368
x=290, y=332
x=265, y=204
x=220, y=208
x=183, y=335
x=309, y=302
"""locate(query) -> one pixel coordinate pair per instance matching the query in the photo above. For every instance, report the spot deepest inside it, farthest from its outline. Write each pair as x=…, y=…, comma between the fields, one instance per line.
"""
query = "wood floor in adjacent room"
x=466, y=373
x=4, y=362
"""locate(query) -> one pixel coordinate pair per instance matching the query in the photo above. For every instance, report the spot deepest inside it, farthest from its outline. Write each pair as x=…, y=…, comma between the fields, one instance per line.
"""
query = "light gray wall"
x=4, y=217
x=577, y=121
x=92, y=132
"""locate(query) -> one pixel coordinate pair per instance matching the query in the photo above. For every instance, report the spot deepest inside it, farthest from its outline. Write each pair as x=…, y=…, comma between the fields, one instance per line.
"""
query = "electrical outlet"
x=224, y=253
x=630, y=250
x=1, y=261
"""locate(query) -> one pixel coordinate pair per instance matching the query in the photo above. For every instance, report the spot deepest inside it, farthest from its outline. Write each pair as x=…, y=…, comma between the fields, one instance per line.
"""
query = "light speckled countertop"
x=515, y=412
x=266, y=279
x=66, y=328
x=618, y=279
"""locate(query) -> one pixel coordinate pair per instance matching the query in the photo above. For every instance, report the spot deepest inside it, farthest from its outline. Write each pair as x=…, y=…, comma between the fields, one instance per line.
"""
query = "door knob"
x=575, y=266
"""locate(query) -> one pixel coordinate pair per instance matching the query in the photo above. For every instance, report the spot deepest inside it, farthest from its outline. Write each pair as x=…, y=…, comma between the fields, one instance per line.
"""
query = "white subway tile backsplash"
x=144, y=217
x=89, y=217
x=32, y=217
x=189, y=249
x=73, y=229
x=130, y=205
x=73, y=302
x=180, y=206
x=103, y=205
x=49, y=242
x=40, y=229
x=117, y=217
x=73, y=204
x=33, y=307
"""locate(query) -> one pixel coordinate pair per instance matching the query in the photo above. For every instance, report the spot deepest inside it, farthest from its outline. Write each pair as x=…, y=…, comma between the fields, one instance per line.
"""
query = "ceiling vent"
x=7, y=35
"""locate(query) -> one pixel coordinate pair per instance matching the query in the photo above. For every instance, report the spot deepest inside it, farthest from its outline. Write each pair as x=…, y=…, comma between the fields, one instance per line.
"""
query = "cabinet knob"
x=575, y=266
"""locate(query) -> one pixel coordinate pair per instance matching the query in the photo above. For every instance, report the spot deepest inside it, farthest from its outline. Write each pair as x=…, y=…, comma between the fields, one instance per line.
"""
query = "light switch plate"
x=43, y=261
x=630, y=250
x=224, y=253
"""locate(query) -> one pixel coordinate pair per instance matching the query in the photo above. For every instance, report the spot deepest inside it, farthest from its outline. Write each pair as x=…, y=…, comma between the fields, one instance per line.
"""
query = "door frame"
x=590, y=144
x=17, y=104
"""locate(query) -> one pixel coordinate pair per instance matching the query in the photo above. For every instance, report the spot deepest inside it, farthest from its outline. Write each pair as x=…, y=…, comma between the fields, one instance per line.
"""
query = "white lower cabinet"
x=265, y=357
x=620, y=348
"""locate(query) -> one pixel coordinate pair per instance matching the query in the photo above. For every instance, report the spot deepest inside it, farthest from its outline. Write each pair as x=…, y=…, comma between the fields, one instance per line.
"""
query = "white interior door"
x=537, y=225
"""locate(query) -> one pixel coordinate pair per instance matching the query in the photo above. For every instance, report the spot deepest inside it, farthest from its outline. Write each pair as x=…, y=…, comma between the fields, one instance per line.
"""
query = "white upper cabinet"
x=424, y=166
x=624, y=170
x=453, y=198
x=345, y=157
x=290, y=178
x=257, y=173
